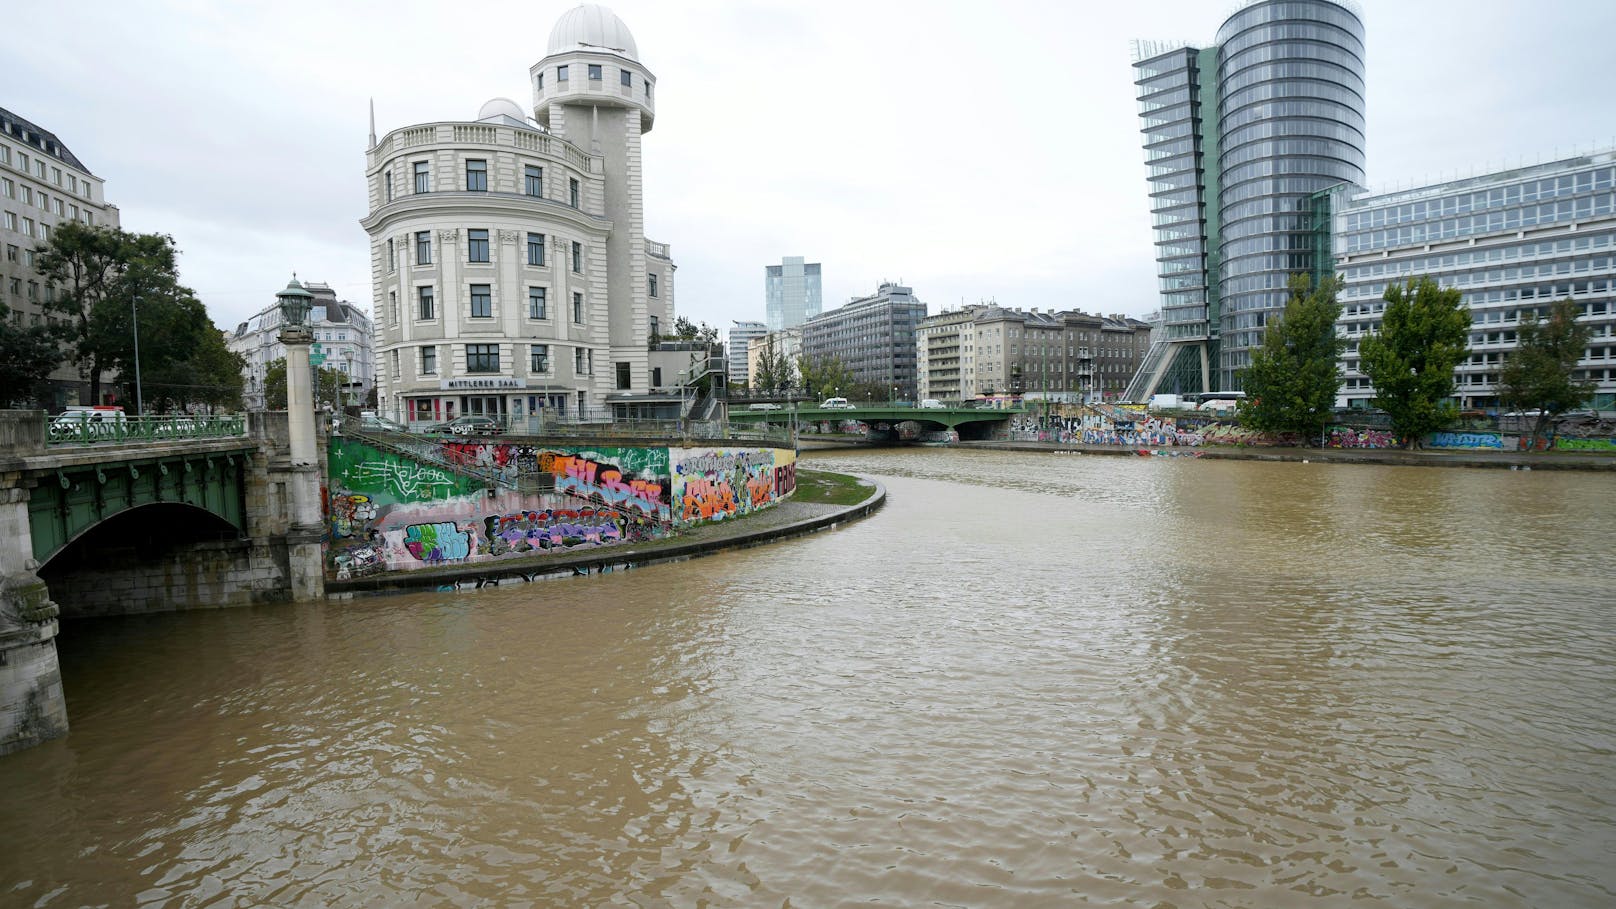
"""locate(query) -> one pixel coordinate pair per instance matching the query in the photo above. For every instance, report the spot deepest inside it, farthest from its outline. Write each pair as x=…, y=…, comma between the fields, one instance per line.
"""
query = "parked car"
x=374, y=423
x=835, y=404
x=931, y=404
x=468, y=425
x=764, y=406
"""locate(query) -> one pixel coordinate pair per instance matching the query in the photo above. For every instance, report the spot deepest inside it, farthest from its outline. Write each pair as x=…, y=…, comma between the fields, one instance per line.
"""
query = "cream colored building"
x=42, y=184
x=511, y=271
x=990, y=350
x=786, y=343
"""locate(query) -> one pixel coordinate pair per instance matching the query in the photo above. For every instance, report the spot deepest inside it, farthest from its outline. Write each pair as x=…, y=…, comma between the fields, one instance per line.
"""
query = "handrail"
x=92, y=427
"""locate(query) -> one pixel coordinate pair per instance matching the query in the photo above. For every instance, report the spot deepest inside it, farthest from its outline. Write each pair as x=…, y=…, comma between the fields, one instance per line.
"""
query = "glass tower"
x=791, y=292
x=1238, y=137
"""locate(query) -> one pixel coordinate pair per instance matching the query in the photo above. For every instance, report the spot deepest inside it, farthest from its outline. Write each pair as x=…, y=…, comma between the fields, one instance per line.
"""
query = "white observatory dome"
x=502, y=107
x=592, y=27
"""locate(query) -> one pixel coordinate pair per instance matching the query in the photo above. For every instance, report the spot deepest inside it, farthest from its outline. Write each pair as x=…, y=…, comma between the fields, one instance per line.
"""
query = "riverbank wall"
x=1498, y=460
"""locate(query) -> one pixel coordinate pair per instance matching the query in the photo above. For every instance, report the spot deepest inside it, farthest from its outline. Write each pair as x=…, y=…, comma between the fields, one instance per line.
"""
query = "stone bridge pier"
x=32, y=706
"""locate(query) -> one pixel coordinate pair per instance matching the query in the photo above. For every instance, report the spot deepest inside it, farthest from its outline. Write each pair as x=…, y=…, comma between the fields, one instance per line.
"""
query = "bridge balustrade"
x=113, y=427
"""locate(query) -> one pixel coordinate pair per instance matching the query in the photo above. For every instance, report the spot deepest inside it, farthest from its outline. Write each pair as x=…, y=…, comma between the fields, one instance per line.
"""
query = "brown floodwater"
x=1030, y=680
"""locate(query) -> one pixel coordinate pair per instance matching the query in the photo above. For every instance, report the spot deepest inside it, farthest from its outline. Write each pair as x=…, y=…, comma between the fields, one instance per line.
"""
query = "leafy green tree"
x=686, y=330
x=824, y=376
x=28, y=353
x=86, y=266
x=1294, y=377
x=1422, y=338
x=774, y=370
x=1541, y=374
x=330, y=389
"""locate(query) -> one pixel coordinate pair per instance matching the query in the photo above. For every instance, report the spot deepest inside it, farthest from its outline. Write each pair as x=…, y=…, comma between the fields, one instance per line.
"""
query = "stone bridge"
x=137, y=521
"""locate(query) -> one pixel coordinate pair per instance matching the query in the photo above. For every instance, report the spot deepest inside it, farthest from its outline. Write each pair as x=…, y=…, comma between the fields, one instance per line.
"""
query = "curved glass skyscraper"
x=1238, y=138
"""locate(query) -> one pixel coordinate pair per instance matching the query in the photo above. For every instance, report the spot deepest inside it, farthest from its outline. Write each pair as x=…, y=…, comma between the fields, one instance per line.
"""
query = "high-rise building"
x=791, y=292
x=1237, y=137
x=874, y=337
x=43, y=184
x=511, y=270
x=342, y=336
x=1512, y=242
x=740, y=335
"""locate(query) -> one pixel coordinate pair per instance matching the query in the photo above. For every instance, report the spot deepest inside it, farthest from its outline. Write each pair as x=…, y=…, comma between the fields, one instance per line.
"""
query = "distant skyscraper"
x=1237, y=138
x=741, y=334
x=792, y=292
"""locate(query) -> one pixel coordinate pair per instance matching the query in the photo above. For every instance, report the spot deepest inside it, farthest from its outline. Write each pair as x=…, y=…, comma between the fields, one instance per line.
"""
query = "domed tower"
x=592, y=90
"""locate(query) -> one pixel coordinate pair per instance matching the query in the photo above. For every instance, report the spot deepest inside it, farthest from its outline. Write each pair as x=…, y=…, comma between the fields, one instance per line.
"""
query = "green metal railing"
x=93, y=427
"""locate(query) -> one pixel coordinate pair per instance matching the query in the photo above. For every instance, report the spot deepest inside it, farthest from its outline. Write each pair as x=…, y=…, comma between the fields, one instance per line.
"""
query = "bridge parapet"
x=113, y=427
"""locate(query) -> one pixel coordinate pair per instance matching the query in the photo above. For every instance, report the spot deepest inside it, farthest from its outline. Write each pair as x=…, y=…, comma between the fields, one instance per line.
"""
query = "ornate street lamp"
x=295, y=303
x=303, y=536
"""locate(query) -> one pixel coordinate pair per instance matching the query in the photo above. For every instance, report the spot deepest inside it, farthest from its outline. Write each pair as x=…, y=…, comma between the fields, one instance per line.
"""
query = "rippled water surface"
x=1030, y=680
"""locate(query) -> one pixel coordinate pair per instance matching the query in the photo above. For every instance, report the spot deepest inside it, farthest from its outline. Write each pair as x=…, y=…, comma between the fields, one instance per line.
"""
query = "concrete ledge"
x=595, y=561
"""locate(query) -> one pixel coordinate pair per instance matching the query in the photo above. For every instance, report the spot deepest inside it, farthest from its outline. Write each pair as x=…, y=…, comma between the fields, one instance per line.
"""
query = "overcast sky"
x=973, y=150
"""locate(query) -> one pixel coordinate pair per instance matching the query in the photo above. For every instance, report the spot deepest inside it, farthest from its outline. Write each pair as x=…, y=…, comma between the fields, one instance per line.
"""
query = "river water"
x=1030, y=680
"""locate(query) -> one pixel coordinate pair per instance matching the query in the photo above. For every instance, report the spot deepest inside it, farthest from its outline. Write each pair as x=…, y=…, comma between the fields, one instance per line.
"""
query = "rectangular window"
x=652, y=282
x=577, y=257
x=392, y=263
x=56, y=176
x=538, y=82
x=476, y=176
x=424, y=297
x=11, y=220
x=577, y=307
x=423, y=247
x=482, y=358
x=395, y=363
x=626, y=78
x=624, y=376
x=535, y=249
x=538, y=305
x=423, y=177
x=572, y=192
x=27, y=227
x=429, y=360
x=594, y=72
x=656, y=332
x=476, y=245
x=482, y=301
x=533, y=180
x=392, y=307
x=9, y=188
x=538, y=358
x=387, y=185
x=561, y=73
x=578, y=361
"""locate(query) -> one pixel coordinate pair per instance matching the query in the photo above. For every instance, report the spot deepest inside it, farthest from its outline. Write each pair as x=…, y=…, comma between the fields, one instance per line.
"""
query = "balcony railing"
x=91, y=427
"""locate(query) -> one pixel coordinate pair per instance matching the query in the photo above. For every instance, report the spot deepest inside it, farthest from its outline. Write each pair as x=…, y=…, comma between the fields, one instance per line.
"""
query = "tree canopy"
x=824, y=376
x=774, y=369
x=1294, y=377
x=329, y=392
x=28, y=353
x=1541, y=373
x=1410, y=360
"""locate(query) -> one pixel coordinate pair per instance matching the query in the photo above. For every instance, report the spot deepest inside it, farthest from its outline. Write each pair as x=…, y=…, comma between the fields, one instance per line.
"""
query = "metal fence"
x=91, y=427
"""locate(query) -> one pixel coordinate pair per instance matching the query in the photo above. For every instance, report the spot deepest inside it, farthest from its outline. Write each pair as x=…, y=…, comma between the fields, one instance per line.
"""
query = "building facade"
x=989, y=350
x=42, y=184
x=1512, y=242
x=342, y=335
x=792, y=292
x=874, y=337
x=785, y=344
x=740, y=335
x=1237, y=138
x=511, y=271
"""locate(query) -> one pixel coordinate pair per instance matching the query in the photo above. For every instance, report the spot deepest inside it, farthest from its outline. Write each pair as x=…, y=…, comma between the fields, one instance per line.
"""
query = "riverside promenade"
x=1424, y=457
x=779, y=522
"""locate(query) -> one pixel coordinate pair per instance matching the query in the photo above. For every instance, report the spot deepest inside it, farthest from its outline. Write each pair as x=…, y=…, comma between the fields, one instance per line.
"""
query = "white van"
x=835, y=404
x=88, y=422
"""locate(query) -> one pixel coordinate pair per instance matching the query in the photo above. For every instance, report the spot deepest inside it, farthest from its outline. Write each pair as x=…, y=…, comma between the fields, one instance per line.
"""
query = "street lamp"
x=295, y=303
x=134, y=315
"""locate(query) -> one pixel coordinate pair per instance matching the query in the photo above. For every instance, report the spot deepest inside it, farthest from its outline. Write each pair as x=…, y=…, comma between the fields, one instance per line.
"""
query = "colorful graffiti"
x=559, y=529
x=1565, y=444
x=387, y=477
x=712, y=484
x=1467, y=440
x=1347, y=437
x=440, y=542
x=592, y=477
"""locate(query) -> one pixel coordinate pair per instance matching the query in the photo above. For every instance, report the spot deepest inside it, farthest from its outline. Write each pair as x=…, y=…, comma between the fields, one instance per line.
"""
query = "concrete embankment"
x=1504, y=460
x=783, y=521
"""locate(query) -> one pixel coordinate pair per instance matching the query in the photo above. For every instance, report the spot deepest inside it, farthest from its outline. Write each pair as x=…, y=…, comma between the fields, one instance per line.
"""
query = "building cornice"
x=479, y=205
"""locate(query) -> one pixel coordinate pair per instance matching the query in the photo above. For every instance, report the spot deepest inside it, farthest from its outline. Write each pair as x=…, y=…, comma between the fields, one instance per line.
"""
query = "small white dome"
x=496, y=107
x=592, y=27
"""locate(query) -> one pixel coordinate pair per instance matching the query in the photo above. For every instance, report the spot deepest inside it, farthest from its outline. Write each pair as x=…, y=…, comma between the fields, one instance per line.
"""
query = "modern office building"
x=342, y=336
x=874, y=337
x=1511, y=242
x=1068, y=356
x=791, y=292
x=1238, y=136
x=740, y=335
x=511, y=271
x=42, y=184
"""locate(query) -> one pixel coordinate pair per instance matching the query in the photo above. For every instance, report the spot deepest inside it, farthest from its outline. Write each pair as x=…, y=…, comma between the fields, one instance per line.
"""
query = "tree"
x=774, y=370
x=1294, y=377
x=1540, y=374
x=275, y=385
x=1411, y=359
x=824, y=376
x=85, y=265
x=27, y=355
x=686, y=330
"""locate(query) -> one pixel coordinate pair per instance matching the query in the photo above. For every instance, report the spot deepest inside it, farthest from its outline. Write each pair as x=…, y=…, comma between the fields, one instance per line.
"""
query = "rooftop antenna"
x=372, y=123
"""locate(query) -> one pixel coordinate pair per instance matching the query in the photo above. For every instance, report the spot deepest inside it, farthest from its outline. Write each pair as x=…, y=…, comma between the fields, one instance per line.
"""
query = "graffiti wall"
x=713, y=484
x=1565, y=444
x=632, y=479
x=1348, y=437
x=1489, y=441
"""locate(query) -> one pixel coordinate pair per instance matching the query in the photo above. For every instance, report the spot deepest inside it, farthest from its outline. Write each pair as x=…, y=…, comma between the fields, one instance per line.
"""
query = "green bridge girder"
x=67, y=501
x=946, y=417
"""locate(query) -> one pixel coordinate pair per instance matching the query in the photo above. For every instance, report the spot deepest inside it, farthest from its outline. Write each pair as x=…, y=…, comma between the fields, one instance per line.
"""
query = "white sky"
x=973, y=150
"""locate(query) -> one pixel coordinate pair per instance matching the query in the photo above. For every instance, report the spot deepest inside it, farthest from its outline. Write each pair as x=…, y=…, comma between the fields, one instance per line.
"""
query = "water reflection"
x=1029, y=680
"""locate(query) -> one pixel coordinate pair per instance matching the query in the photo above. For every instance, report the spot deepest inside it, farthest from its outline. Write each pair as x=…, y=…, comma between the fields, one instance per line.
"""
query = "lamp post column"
x=303, y=536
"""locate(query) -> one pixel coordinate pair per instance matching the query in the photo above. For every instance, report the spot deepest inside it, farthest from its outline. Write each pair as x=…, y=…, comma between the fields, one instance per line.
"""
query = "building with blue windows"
x=1238, y=136
x=792, y=292
x=1511, y=242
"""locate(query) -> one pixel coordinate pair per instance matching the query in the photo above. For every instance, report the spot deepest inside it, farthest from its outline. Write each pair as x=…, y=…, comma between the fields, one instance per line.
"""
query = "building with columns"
x=511, y=271
x=342, y=334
